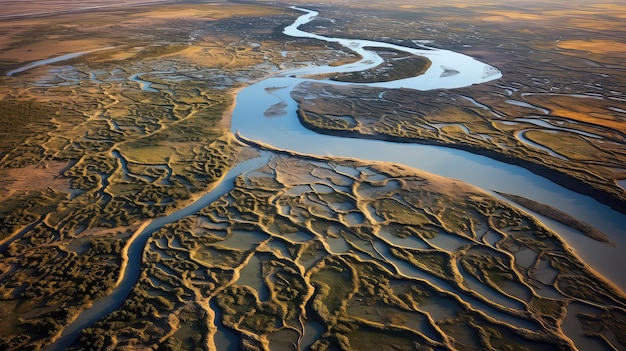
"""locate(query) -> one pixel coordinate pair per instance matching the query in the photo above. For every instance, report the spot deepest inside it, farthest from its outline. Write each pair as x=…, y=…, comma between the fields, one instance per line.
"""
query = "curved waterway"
x=286, y=133
x=54, y=60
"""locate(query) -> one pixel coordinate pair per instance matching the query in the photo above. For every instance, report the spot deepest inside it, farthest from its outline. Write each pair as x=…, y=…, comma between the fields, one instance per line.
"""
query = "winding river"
x=286, y=133
x=448, y=70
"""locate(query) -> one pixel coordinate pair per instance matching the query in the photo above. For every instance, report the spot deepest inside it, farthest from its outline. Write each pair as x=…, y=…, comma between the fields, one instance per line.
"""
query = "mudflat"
x=126, y=125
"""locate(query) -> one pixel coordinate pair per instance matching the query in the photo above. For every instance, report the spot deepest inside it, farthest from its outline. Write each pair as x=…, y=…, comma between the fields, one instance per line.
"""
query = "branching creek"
x=284, y=132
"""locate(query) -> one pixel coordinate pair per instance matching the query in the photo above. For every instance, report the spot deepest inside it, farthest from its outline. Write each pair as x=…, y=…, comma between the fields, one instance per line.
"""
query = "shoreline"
x=227, y=114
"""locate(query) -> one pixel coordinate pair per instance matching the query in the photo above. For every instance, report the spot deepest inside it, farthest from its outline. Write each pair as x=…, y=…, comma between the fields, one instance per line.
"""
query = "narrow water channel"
x=132, y=270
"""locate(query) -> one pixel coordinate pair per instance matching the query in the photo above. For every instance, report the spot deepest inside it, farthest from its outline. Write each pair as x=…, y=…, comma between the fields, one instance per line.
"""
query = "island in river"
x=134, y=216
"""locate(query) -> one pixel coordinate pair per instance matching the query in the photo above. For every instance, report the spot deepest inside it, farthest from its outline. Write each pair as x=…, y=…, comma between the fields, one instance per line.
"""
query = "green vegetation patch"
x=368, y=338
x=335, y=283
x=159, y=50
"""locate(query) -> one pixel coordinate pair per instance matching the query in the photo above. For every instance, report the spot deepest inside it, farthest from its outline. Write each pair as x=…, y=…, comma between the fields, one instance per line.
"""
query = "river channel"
x=285, y=132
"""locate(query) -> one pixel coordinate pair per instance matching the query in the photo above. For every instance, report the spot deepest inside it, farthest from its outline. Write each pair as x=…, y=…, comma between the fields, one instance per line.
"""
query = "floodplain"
x=117, y=117
x=342, y=253
x=556, y=110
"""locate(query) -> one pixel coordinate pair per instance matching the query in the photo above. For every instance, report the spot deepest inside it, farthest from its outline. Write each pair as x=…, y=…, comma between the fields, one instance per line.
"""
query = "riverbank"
x=287, y=133
x=542, y=170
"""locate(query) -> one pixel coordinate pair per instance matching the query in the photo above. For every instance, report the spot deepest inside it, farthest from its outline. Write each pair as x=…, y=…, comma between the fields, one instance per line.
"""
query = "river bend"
x=286, y=133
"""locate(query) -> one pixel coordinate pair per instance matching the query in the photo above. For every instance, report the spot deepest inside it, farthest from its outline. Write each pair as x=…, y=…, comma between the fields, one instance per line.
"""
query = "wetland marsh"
x=163, y=190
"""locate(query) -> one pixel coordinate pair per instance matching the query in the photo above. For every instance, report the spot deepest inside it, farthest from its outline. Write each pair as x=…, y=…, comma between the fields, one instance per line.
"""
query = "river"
x=286, y=133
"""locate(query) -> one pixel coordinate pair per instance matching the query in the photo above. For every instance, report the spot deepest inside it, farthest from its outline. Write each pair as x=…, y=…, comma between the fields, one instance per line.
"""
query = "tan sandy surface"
x=33, y=178
x=594, y=46
x=50, y=48
x=28, y=8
